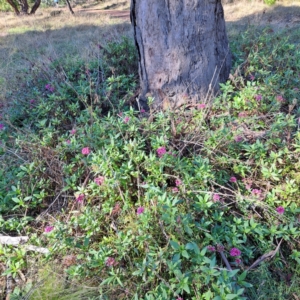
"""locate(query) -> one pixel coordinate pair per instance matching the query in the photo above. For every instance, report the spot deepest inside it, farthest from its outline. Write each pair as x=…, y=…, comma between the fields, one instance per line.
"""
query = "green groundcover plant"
x=156, y=205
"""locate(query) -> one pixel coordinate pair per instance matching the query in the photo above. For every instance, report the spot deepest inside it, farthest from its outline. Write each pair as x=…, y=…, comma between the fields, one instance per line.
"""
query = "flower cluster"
x=242, y=114
x=201, y=106
x=211, y=248
x=238, y=138
x=256, y=192
x=216, y=197
x=80, y=198
x=85, y=151
x=49, y=88
x=235, y=252
x=161, y=151
x=280, y=98
x=258, y=97
x=99, y=180
x=178, y=182
x=280, y=210
x=233, y=179
x=48, y=229
x=111, y=262
x=140, y=210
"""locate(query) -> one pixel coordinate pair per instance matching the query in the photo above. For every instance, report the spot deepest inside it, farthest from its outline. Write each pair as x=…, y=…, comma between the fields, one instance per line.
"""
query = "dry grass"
x=37, y=38
x=257, y=13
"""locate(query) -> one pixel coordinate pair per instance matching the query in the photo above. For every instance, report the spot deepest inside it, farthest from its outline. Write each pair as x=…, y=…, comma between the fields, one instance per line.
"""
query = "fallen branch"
x=268, y=255
x=37, y=249
x=15, y=240
x=225, y=261
x=19, y=240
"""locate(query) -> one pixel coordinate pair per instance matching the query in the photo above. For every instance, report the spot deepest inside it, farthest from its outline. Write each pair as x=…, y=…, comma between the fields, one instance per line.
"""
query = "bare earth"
x=253, y=13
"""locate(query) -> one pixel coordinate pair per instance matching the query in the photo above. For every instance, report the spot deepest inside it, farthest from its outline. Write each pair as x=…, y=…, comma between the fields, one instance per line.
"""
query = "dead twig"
x=268, y=255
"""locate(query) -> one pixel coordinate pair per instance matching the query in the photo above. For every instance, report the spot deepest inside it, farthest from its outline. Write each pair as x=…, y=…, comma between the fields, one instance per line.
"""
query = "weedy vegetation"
x=201, y=202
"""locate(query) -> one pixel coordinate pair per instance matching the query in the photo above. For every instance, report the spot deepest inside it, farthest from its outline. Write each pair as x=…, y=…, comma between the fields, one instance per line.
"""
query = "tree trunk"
x=14, y=6
x=35, y=6
x=70, y=7
x=183, y=49
x=24, y=6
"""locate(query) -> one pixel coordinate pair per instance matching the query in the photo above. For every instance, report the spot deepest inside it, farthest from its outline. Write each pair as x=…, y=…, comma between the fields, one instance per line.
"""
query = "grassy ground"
x=132, y=206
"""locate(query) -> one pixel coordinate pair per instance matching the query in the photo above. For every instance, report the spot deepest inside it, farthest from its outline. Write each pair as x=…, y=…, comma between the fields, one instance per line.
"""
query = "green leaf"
x=242, y=276
x=186, y=288
x=233, y=272
x=175, y=245
x=192, y=246
x=230, y=296
x=185, y=254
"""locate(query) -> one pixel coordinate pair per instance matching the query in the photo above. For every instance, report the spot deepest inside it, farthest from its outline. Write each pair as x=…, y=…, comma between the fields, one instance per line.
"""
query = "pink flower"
x=126, y=120
x=178, y=182
x=179, y=298
x=248, y=186
x=235, y=252
x=68, y=142
x=140, y=210
x=238, y=261
x=258, y=97
x=99, y=180
x=279, y=98
x=49, y=87
x=48, y=229
x=201, y=106
x=211, y=248
x=120, y=114
x=233, y=179
x=280, y=210
x=242, y=114
x=73, y=131
x=175, y=190
x=31, y=101
x=238, y=138
x=110, y=262
x=161, y=151
x=252, y=77
x=256, y=192
x=142, y=110
x=216, y=197
x=1, y=126
x=247, y=183
x=85, y=151
x=80, y=198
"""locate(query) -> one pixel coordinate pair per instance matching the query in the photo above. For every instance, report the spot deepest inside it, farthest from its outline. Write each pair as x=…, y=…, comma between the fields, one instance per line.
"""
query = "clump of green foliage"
x=152, y=205
x=270, y=2
x=4, y=6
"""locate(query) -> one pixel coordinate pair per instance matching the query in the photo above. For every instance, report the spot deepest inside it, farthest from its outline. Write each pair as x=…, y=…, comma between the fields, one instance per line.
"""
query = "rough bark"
x=14, y=6
x=183, y=49
x=24, y=6
x=35, y=6
x=21, y=6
